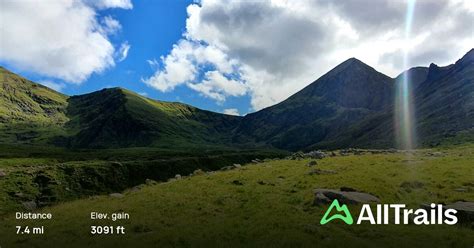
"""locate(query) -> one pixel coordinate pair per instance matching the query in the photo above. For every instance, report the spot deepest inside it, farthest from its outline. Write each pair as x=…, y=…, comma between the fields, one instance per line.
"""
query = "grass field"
x=269, y=204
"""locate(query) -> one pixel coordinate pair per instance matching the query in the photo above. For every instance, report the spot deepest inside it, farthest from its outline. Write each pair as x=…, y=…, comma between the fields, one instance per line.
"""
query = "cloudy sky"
x=233, y=57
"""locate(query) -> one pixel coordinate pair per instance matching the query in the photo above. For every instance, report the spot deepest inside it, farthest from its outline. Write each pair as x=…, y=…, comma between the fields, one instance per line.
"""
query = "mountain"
x=120, y=118
x=353, y=106
x=350, y=106
x=317, y=114
x=445, y=101
x=34, y=114
x=29, y=111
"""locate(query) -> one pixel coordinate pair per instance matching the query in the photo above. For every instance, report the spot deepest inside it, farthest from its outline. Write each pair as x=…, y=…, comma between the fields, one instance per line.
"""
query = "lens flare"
x=404, y=110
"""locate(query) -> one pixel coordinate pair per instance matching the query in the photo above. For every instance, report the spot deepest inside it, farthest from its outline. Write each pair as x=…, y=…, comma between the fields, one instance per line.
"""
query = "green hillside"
x=350, y=106
x=120, y=118
x=29, y=112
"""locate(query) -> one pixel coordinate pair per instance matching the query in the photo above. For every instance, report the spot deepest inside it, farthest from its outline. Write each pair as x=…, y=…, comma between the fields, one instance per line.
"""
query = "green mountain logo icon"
x=346, y=217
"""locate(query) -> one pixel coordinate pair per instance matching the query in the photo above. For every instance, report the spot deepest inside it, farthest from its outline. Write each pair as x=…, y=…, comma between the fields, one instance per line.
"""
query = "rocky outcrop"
x=325, y=196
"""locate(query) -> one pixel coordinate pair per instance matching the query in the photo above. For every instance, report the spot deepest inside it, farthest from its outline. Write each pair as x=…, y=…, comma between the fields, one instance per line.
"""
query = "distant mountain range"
x=350, y=106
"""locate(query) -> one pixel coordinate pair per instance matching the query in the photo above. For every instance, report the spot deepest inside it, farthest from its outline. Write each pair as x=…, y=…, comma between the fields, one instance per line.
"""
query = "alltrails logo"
x=401, y=215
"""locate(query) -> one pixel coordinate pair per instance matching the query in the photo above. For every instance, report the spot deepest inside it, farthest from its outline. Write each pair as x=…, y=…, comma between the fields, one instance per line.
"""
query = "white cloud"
x=123, y=51
x=105, y=4
x=231, y=111
x=153, y=63
x=109, y=25
x=218, y=87
x=183, y=63
x=65, y=40
x=55, y=86
x=277, y=47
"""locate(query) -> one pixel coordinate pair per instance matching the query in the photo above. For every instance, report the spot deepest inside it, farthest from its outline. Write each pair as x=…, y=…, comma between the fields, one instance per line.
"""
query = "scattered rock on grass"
x=325, y=196
x=2, y=174
x=116, y=195
x=226, y=168
x=150, y=182
x=198, y=172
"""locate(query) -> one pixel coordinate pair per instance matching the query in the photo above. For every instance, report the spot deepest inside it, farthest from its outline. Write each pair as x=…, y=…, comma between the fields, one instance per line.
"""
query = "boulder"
x=150, y=182
x=465, y=210
x=116, y=195
x=177, y=176
x=225, y=168
x=237, y=166
x=2, y=174
x=198, y=172
x=315, y=154
x=325, y=196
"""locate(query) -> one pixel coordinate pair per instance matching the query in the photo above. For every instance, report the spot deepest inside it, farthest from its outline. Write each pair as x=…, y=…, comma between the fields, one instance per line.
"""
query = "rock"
x=297, y=155
x=2, y=174
x=226, y=168
x=198, y=172
x=116, y=195
x=465, y=210
x=321, y=172
x=178, y=176
x=315, y=154
x=324, y=196
x=137, y=188
x=30, y=205
x=256, y=161
x=312, y=163
x=150, y=182
x=237, y=166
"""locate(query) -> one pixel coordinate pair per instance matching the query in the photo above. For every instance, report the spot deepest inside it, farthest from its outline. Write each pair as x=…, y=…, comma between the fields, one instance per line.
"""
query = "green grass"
x=270, y=204
x=37, y=173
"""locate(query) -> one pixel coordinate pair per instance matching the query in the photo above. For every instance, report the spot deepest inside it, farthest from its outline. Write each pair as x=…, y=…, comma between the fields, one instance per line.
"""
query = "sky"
x=232, y=57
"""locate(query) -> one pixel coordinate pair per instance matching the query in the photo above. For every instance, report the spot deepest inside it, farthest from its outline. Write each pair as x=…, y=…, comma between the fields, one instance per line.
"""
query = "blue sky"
x=151, y=28
x=225, y=56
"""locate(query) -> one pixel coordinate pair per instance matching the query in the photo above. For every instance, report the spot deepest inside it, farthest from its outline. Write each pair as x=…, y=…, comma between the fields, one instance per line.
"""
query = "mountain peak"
x=467, y=58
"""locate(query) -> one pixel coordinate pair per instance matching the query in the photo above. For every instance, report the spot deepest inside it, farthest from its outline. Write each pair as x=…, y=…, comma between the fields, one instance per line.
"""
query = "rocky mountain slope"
x=350, y=106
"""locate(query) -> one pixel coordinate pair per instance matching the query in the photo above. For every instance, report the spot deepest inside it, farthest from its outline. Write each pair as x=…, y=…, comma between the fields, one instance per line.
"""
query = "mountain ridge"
x=351, y=105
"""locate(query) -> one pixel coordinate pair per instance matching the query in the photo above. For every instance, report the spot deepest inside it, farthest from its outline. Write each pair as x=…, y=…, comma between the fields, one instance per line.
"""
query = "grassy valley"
x=271, y=203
